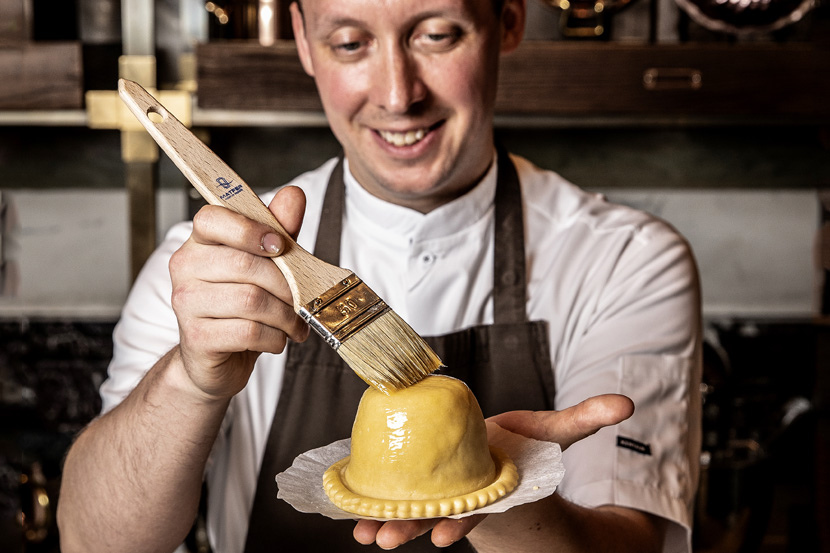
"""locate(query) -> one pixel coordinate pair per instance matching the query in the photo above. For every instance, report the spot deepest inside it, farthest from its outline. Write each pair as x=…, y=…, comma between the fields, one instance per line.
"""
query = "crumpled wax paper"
x=539, y=464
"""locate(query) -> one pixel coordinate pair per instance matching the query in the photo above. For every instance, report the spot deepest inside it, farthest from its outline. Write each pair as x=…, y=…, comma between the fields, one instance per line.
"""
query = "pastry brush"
x=375, y=342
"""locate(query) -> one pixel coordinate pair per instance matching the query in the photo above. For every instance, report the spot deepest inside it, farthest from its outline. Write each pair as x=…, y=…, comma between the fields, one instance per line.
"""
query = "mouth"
x=407, y=138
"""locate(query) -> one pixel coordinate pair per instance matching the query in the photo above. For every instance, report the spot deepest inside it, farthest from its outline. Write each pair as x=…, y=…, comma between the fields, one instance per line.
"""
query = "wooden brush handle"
x=307, y=276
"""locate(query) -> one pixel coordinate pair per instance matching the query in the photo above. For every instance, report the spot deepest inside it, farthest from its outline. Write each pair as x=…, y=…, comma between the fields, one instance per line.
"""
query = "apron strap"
x=327, y=245
x=509, y=280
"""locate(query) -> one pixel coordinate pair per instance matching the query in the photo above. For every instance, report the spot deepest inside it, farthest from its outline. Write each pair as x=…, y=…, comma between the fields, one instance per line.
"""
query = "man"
x=533, y=291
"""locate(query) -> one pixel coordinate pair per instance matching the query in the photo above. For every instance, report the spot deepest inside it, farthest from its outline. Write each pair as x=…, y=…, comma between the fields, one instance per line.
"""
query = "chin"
x=410, y=192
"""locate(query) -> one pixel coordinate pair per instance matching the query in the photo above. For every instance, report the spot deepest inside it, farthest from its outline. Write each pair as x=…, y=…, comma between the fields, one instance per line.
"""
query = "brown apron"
x=506, y=364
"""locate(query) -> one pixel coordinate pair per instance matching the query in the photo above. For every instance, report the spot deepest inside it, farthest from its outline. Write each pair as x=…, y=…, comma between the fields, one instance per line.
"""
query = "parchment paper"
x=539, y=464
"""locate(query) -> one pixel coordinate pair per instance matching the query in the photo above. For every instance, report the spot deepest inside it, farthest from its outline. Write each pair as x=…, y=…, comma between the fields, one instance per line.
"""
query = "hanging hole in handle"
x=155, y=115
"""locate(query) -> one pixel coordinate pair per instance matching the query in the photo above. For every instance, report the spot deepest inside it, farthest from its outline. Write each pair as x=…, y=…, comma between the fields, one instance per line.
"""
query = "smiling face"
x=408, y=88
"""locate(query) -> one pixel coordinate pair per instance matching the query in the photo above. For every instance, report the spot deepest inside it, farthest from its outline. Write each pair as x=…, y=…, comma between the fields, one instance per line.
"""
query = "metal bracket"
x=105, y=110
x=139, y=151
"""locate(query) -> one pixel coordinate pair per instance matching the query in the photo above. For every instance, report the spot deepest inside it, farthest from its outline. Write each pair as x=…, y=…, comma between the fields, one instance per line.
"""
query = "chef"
x=564, y=313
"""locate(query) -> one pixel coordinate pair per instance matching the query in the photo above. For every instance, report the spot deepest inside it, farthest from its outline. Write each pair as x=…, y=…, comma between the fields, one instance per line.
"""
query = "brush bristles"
x=388, y=354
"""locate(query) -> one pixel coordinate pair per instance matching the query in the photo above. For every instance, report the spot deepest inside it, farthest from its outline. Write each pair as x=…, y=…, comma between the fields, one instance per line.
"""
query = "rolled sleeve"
x=641, y=339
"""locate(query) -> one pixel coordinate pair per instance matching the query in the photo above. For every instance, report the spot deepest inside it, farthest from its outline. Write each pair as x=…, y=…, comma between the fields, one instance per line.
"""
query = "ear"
x=303, y=48
x=512, y=24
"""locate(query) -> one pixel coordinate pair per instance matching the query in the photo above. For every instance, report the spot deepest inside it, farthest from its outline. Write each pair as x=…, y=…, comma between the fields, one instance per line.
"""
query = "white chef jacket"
x=618, y=289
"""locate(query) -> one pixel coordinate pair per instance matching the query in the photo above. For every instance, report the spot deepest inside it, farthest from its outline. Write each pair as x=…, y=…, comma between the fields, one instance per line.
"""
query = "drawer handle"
x=672, y=78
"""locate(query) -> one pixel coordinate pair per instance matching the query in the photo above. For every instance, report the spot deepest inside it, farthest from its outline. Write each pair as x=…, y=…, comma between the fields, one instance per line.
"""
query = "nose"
x=397, y=82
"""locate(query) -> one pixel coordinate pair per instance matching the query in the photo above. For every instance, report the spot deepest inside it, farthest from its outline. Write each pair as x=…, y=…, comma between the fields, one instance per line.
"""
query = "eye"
x=440, y=37
x=348, y=43
x=436, y=37
x=347, y=47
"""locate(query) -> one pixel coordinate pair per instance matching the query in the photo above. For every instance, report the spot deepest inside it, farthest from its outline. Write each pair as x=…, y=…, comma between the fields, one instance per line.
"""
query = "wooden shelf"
x=257, y=118
x=563, y=82
x=43, y=118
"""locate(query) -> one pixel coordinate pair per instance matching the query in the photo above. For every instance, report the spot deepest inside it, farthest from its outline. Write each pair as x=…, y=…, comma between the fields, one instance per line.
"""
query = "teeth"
x=403, y=139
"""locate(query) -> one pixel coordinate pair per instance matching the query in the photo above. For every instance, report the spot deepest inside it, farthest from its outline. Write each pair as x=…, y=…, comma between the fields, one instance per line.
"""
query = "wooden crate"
x=244, y=75
x=40, y=76
x=717, y=80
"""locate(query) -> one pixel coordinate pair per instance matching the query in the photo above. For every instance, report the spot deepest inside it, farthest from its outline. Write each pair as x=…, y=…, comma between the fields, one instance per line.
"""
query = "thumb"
x=288, y=206
x=570, y=425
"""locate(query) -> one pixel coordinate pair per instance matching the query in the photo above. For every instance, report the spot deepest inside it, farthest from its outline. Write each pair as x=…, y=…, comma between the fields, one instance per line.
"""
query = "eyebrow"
x=339, y=21
x=328, y=24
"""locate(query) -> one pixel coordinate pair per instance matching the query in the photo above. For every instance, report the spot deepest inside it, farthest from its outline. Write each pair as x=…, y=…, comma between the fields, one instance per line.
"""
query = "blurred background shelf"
x=556, y=82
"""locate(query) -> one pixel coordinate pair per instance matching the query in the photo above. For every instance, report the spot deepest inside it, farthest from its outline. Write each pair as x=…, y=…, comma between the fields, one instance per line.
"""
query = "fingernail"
x=272, y=244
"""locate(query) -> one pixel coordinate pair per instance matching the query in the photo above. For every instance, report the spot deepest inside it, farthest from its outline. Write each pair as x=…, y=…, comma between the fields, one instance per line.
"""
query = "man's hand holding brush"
x=231, y=301
x=232, y=304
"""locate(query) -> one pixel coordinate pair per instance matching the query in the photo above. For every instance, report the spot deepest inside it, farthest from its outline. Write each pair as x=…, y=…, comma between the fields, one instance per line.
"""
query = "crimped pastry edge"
x=507, y=477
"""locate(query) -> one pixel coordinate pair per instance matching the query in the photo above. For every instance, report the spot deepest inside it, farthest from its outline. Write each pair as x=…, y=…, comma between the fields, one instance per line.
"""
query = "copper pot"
x=745, y=16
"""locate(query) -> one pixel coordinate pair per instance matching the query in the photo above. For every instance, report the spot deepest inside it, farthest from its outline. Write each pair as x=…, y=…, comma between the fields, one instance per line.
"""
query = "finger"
x=288, y=206
x=214, y=339
x=398, y=532
x=365, y=531
x=214, y=225
x=569, y=425
x=222, y=264
x=219, y=301
x=448, y=531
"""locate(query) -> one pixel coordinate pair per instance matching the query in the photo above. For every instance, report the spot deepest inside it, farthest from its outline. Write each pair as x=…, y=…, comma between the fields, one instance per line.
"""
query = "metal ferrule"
x=318, y=327
x=343, y=310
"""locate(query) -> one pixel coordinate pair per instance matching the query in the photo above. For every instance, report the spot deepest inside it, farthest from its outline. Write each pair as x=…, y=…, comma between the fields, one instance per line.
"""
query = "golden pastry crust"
x=419, y=452
x=507, y=477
